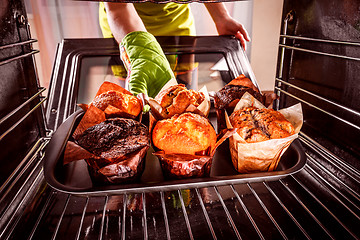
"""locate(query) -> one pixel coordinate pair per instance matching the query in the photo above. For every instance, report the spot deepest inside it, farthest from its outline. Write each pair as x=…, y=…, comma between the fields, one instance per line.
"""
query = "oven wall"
x=22, y=125
x=319, y=66
x=266, y=21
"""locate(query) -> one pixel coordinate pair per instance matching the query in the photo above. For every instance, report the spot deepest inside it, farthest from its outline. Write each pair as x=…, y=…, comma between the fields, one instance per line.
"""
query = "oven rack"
x=24, y=109
x=17, y=57
x=307, y=205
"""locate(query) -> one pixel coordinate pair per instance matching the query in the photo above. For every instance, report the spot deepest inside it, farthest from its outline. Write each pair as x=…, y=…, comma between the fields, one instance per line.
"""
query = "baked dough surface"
x=177, y=98
x=187, y=133
x=256, y=125
x=126, y=103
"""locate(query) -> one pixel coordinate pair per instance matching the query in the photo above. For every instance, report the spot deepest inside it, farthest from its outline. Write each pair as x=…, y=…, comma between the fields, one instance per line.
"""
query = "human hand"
x=229, y=26
x=225, y=24
x=270, y=97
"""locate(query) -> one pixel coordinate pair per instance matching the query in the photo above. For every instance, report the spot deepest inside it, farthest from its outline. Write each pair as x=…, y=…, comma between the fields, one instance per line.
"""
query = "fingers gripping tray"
x=74, y=177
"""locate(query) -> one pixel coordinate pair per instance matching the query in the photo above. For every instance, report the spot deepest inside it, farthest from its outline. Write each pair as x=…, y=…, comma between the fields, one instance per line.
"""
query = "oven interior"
x=317, y=66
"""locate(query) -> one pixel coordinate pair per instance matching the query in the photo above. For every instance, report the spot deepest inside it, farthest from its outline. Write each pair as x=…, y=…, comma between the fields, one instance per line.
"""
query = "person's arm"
x=146, y=64
x=225, y=24
x=123, y=19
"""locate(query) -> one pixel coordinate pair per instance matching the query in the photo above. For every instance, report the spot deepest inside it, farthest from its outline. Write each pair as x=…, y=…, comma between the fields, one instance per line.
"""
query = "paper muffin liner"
x=179, y=166
x=127, y=170
x=261, y=156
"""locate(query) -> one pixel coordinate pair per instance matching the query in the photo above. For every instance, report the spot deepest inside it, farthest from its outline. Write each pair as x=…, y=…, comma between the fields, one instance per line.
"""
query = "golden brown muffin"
x=115, y=102
x=177, y=98
x=187, y=133
x=256, y=125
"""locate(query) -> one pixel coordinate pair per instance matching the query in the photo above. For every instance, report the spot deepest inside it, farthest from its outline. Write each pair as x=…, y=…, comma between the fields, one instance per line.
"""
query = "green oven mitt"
x=146, y=64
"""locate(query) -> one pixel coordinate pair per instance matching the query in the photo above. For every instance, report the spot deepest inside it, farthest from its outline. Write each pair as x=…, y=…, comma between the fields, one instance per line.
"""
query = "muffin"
x=118, y=104
x=176, y=99
x=118, y=147
x=257, y=125
x=227, y=97
x=187, y=133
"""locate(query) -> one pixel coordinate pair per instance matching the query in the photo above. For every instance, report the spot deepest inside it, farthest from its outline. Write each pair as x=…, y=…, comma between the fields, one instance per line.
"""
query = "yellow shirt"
x=169, y=19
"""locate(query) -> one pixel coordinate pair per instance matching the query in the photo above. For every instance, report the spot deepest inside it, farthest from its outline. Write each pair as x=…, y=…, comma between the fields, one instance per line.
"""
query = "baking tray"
x=73, y=178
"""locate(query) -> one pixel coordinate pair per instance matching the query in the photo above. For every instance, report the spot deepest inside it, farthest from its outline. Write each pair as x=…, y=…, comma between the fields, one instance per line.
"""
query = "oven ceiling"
x=164, y=1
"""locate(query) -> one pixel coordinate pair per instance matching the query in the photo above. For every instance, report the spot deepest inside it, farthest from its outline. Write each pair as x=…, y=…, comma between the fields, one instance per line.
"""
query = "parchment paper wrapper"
x=127, y=170
x=104, y=171
x=261, y=156
x=180, y=166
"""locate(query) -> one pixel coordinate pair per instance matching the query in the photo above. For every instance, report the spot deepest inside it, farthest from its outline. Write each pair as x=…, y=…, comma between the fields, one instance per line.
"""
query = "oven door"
x=84, y=64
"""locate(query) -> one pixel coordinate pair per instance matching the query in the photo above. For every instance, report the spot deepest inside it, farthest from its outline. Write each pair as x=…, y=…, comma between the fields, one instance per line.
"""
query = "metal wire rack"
x=306, y=205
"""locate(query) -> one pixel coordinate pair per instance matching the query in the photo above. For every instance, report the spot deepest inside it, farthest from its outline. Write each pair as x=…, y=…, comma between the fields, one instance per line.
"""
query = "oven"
x=314, y=194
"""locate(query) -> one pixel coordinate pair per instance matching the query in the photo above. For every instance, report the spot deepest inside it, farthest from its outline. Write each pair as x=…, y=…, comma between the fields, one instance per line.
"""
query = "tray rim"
x=52, y=157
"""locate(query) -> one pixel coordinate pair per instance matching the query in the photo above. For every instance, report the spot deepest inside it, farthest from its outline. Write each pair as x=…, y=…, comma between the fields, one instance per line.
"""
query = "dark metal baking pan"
x=74, y=177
